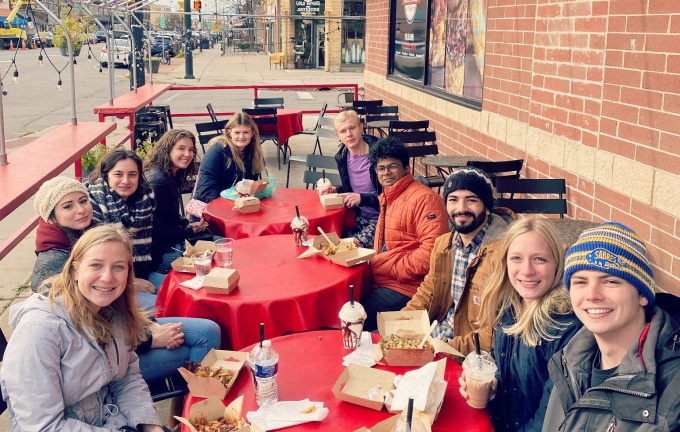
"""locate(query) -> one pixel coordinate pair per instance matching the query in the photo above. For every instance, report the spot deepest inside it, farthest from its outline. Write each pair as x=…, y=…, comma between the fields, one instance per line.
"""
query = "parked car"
x=157, y=46
x=45, y=37
x=121, y=51
x=101, y=36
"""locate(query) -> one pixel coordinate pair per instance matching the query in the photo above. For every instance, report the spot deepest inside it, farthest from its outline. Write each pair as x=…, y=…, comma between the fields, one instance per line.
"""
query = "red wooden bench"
x=38, y=161
x=129, y=103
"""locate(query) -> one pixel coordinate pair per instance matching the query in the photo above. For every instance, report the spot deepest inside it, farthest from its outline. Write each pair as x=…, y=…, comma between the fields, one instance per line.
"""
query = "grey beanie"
x=474, y=180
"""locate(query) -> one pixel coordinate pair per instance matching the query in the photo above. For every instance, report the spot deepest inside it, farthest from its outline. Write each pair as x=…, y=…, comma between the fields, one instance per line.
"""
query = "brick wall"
x=585, y=90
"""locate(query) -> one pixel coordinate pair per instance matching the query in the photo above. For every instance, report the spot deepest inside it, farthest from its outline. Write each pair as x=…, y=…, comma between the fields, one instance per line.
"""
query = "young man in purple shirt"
x=360, y=187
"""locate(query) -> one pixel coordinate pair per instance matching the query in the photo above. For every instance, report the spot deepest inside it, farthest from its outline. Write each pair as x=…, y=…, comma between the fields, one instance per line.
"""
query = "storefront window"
x=354, y=33
x=455, y=47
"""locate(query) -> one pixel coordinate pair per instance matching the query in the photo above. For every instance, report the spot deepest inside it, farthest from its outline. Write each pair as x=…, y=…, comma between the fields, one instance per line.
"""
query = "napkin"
x=193, y=283
x=424, y=385
x=285, y=414
x=362, y=355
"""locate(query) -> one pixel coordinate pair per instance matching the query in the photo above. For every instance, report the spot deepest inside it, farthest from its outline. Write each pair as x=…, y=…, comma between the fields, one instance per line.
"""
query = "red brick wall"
x=602, y=74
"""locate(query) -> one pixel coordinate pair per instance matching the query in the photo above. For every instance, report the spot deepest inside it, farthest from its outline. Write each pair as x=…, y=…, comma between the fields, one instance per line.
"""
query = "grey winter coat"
x=643, y=395
x=54, y=379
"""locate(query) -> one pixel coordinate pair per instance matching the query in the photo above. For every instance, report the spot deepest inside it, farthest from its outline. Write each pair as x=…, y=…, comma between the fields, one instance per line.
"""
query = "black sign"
x=309, y=7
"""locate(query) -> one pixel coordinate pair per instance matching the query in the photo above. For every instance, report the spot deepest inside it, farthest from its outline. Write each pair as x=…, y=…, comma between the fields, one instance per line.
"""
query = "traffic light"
x=197, y=5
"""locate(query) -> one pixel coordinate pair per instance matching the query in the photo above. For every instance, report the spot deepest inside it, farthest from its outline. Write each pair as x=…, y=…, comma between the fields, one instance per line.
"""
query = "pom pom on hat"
x=52, y=191
x=615, y=249
x=474, y=180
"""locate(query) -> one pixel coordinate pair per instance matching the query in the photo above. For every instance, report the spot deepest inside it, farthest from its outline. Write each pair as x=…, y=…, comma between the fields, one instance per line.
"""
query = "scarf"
x=136, y=217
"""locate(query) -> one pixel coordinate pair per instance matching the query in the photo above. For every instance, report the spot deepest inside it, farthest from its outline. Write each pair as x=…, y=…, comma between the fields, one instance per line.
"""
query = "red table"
x=288, y=122
x=309, y=365
x=276, y=213
x=286, y=293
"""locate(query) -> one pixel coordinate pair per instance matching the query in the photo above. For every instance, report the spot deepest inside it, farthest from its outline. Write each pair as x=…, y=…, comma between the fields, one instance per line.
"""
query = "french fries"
x=222, y=424
x=395, y=341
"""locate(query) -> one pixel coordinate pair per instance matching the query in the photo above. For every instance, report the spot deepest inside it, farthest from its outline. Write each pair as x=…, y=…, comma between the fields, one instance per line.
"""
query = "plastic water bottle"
x=266, y=362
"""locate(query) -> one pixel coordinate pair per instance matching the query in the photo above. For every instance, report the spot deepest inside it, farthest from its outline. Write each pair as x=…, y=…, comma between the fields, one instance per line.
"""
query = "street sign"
x=208, y=25
x=181, y=5
x=163, y=21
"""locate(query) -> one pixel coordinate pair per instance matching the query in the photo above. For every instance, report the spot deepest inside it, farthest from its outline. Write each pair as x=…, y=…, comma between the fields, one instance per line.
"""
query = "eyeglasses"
x=380, y=169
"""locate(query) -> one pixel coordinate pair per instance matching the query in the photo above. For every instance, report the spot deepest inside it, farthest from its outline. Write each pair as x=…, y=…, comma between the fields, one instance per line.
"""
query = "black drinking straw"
x=297, y=210
x=261, y=334
x=351, y=295
x=475, y=335
x=323, y=174
x=409, y=413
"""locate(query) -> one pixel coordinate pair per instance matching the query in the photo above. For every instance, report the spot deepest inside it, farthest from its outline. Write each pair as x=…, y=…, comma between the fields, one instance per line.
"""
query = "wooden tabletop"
x=451, y=161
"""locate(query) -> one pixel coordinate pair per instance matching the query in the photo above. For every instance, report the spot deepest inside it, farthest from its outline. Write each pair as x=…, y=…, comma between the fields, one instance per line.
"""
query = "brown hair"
x=125, y=308
x=253, y=151
x=159, y=157
x=109, y=161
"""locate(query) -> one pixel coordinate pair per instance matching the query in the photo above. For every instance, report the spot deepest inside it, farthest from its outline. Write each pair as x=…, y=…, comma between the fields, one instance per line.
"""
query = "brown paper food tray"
x=184, y=265
x=247, y=205
x=347, y=258
x=212, y=387
x=200, y=246
x=331, y=201
x=221, y=280
x=358, y=380
x=213, y=408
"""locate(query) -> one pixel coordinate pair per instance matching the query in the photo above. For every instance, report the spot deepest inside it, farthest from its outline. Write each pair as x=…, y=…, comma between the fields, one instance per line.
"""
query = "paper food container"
x=221, y=280
x=410, y=325
x=205, y=387
x=343, y=256
x=383, y=426
x=356, y=381
x=331, y=201
x=183, y=264
x=200, y=246
x=436, y=392
x=256, y=186
x=212, y=409
x=247, y=205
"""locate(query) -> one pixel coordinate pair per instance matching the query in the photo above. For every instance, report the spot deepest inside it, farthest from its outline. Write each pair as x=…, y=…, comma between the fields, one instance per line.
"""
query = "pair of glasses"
x=391, y=168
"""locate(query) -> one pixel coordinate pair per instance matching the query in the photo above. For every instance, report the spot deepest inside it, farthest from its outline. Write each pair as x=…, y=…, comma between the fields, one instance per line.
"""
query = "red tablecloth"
x=288, y=122
x=286, y=293
x=309, y=365
x=276, y=213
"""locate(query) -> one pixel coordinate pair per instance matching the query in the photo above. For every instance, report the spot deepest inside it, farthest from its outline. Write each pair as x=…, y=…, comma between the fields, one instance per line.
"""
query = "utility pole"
x=188, y=56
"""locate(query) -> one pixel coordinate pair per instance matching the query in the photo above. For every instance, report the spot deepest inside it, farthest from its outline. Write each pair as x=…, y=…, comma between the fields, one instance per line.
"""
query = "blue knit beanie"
x=615, y=249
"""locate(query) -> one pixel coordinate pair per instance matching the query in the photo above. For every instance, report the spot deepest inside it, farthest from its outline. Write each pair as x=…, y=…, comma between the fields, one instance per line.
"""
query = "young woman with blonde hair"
x=529, y=308
x=70, y=364
x=232, y=157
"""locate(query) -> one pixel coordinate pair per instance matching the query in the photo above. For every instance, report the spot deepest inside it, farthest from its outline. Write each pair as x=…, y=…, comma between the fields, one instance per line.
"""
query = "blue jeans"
x=200, y=336
x=381, y=299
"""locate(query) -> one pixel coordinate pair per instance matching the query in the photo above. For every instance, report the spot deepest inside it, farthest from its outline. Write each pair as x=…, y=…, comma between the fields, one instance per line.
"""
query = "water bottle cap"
x=266, y=343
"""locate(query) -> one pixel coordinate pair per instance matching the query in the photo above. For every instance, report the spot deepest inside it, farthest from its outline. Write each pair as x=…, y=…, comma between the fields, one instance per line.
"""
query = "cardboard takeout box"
x=344, y=256
x=212, y=409
x=256, y=187
x=247, y=205
x=410, y=325
x=355, y=382
x=221, y=280
x=436, y=391
x=206, y=387
x=331, y=201
x=183, y=264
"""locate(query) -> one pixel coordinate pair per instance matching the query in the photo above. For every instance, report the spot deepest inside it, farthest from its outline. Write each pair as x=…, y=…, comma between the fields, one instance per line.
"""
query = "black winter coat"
x=219, y=172
x=367, y=199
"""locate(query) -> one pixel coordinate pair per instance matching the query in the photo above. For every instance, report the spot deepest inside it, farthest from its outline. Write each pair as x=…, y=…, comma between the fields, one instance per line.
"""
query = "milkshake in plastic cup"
x=480, y=371
x=352, y=316
x=299, y=225
x=323, y=185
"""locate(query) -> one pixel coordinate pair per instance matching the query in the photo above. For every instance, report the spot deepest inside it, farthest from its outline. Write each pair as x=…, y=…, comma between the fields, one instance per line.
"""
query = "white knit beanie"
x=52, y=191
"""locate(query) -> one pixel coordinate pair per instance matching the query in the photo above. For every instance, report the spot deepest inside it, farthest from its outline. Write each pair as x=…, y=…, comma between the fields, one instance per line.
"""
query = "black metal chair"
x=266, y=121
x=163, y=113
x=211, y=111
x=512, y=186
x=498, y=170
x=379, y=118
x=209, y=130
x=360, y=107
x=268, y=102
x=397, y=126
x=317, y=168
x=427, y=147
x=325, y=130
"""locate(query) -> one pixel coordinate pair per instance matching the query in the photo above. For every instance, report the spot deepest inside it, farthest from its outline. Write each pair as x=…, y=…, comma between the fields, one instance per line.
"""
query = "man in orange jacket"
x=411, y=217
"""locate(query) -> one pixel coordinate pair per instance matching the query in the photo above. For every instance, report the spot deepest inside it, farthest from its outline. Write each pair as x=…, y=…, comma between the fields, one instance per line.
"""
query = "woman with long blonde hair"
x=70, y=363
x=232, y=157
x=529, y=309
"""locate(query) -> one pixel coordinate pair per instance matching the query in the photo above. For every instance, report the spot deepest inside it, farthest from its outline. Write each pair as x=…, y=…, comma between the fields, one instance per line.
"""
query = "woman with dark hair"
x=70, y=364
x=170, y=167
x=121, y=196
x=234, y=156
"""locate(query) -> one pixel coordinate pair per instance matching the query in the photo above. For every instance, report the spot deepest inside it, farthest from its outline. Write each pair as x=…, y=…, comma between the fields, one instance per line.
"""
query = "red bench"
x=38, y=161
x=129, y=103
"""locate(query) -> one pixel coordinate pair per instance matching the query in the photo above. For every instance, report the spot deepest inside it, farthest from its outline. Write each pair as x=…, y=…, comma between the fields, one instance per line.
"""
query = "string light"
x=40, y=60
x=15, y=76
x=59, y=82
x=75, y=63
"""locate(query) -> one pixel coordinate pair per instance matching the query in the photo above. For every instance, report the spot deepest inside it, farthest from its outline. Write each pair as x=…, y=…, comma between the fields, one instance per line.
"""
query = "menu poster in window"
x=409, y=39
x=437, y=42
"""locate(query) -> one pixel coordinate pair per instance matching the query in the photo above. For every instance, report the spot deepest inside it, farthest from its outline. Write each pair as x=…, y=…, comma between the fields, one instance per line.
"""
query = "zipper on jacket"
x=675, y=341
x=618, y=390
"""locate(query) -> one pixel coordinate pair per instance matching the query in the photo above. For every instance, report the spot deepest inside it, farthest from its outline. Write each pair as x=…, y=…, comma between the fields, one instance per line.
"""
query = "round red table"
x=288, y=122
x=286, y=293
x=276, y=213
x=310, y=363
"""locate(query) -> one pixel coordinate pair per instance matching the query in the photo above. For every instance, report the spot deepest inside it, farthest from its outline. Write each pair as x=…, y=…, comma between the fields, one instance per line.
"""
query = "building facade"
x=583, y=90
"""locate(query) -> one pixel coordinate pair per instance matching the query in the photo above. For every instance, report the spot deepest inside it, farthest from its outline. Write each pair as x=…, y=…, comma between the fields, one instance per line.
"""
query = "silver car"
x=121, y=52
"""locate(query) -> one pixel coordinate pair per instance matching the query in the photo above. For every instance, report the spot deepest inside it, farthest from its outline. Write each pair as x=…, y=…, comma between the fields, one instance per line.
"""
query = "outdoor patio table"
x=288, y=123
x=570, y=229
x=309, y=365
x=287, y=293
x=275, y=215
x=446, y=163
